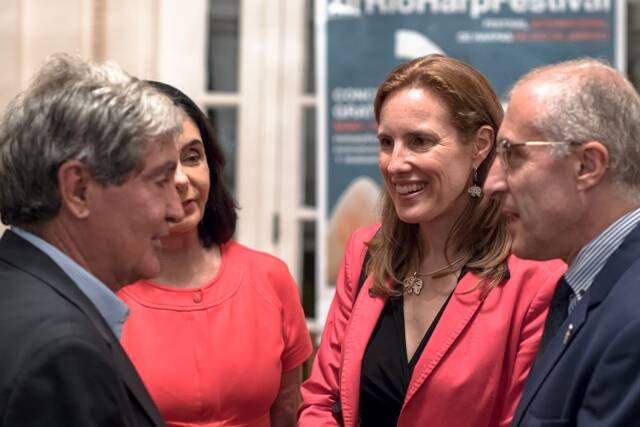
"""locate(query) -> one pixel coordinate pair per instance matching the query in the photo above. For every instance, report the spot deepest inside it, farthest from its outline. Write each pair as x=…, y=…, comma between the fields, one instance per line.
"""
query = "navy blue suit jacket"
x=589, y=375
x=60, y=363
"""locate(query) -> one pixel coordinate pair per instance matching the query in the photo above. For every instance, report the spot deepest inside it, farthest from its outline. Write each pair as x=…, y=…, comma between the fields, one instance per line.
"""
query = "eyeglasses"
x=505, y=149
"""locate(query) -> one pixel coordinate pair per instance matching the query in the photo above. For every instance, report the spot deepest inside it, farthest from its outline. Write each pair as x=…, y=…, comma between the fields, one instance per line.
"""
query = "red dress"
x=214, y=355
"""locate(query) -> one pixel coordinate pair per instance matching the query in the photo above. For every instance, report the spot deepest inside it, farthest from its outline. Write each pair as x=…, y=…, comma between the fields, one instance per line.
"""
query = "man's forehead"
x=543, y=88
x=518, y=123
x=158, y=159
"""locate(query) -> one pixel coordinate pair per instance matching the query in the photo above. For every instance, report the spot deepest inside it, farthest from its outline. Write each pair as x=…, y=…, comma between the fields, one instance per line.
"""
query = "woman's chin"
x=411, y=217
x=185, y=226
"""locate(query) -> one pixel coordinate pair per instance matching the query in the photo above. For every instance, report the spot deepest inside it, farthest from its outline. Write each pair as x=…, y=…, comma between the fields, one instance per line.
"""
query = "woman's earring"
x=475, y=191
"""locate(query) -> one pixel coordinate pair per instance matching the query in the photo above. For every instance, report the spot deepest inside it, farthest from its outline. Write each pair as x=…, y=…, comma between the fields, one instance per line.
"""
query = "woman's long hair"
x=480, y=230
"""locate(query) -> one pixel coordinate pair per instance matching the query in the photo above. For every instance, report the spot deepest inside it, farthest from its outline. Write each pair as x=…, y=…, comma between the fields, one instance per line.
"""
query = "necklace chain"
x=413, y=284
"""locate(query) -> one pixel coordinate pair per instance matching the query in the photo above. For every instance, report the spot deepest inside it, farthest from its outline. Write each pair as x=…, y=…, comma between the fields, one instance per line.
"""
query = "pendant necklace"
x=413, y=284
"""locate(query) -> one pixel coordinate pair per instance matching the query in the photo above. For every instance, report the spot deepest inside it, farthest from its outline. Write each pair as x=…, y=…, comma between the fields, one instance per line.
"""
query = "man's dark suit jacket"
x=589, y=375
x=60, y=363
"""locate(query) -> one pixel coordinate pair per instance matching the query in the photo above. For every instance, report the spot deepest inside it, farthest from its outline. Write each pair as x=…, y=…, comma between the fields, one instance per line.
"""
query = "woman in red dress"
x=219, y=336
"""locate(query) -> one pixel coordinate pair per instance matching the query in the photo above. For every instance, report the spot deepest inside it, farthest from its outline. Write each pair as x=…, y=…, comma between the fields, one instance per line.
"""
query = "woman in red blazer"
x=447, y=324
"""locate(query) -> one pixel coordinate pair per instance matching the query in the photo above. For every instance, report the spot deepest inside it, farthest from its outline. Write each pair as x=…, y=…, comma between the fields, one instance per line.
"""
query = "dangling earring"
x=475, y=191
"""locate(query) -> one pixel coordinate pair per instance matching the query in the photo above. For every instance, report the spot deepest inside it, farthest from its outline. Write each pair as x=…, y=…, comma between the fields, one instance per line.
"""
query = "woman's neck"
x=433, y=250
x=185, y=263
x=436, y=252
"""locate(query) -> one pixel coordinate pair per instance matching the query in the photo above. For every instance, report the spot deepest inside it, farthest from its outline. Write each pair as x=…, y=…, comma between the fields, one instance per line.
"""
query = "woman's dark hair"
x=219, y=220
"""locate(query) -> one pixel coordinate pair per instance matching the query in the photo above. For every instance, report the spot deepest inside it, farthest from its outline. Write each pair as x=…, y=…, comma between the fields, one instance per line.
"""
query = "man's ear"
x=482, y=144
x=593, y=161
x=73, y=181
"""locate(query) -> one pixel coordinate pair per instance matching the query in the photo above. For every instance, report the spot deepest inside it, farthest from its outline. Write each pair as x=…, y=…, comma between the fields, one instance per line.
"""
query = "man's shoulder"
x=20, y=286
x=34, y=315
x=623, y=299
x=59, y=363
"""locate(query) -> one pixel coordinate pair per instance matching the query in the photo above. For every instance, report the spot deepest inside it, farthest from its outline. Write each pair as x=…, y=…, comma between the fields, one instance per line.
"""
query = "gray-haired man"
x=87, y=160
x=568, y=172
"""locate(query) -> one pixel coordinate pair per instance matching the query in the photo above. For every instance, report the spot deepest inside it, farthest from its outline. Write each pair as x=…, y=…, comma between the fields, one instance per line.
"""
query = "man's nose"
x=175, y=210
x=496, y=182
x=181, y=179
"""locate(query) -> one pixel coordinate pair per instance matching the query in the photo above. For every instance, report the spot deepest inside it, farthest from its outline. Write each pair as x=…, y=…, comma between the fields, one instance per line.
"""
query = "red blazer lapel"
x=461, y=308
x=364, y=317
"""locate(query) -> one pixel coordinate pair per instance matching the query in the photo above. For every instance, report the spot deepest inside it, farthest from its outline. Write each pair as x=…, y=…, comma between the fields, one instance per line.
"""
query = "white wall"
x=9, y=50
x=131, y=35
x=30, y=30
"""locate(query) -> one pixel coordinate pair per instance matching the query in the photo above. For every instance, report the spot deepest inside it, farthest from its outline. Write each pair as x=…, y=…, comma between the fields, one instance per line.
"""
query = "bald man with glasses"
x=568, y=174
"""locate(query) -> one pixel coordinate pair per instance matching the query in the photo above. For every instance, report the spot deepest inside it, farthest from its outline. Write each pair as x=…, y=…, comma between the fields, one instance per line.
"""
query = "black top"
x=386, y=372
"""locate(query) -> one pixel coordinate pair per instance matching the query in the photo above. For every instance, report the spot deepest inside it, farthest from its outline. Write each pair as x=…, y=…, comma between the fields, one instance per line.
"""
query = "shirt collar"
x=112, y=309
x=592, y=258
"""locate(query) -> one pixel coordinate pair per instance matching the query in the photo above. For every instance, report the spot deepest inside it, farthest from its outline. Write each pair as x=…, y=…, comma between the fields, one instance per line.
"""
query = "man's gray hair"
x=94, y=113
x=591, y=101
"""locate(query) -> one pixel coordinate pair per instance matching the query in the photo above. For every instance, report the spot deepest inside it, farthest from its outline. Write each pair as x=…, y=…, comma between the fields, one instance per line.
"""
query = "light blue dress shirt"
x=114, y=310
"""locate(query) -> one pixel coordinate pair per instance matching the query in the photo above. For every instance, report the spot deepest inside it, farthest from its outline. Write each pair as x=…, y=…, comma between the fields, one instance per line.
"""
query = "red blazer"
x=472, y=370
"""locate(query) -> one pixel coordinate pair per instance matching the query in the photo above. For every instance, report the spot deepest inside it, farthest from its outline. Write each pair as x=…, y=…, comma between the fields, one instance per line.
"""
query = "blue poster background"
x=366, y=39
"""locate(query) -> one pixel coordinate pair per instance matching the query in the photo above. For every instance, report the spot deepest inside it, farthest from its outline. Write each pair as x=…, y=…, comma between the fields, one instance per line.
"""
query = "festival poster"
x=363, y=40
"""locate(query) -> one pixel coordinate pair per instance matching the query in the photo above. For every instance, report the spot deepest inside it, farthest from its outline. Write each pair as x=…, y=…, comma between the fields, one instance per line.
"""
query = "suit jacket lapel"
x=544, y=363
x=462, y=306
x=134, y=383
x=364, y=317
x=619, y=262
x=26, y=257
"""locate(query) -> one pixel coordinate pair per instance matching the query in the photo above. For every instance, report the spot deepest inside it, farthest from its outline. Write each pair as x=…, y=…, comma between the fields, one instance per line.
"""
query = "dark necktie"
x=558, y=311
